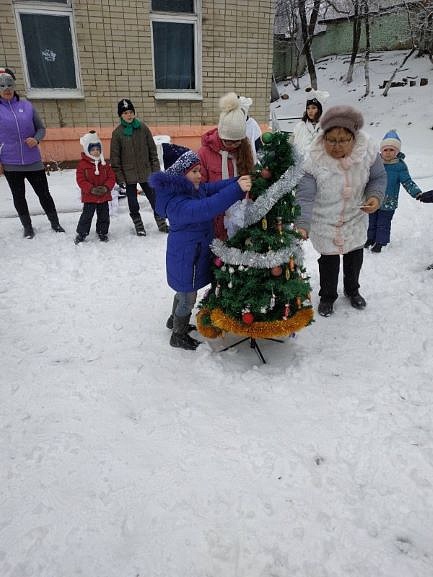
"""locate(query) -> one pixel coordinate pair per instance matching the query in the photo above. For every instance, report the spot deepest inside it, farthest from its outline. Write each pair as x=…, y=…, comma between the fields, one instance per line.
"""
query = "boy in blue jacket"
x=379, y=229
x=190, y=208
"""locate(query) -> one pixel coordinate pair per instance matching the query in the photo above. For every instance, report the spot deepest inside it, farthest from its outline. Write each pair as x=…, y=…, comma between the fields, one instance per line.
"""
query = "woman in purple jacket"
x=21, y=130
x=190, y=208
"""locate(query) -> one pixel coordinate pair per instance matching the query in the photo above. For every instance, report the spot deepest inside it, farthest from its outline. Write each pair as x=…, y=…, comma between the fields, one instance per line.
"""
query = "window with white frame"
x=176, y=45
x=48, y=47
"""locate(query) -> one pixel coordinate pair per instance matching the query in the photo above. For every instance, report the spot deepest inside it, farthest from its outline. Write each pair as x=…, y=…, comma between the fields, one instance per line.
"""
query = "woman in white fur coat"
x=343, y=182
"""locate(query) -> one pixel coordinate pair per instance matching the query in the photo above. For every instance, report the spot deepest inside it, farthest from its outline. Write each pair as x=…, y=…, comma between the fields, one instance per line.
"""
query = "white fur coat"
x=331, y=194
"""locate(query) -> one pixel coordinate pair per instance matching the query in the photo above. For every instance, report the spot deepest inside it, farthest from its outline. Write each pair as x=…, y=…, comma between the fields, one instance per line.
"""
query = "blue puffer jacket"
x=397, y=173
x=190, y=213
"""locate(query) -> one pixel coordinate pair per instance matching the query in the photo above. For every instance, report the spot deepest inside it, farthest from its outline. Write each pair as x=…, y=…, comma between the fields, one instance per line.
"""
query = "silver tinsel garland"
x=263, y=204
x=255, y=212
x=249, y=258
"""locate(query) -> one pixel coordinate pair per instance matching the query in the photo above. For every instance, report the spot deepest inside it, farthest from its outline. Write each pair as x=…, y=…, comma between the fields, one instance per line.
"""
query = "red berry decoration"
x=218, y=262
x=276, y=271
x=248, y=318
x=266, y=173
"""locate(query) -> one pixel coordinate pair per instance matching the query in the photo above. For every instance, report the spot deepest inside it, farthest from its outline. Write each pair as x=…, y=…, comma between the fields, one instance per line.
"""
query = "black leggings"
x=39, y=182
x=131, y=193
x=329, y=267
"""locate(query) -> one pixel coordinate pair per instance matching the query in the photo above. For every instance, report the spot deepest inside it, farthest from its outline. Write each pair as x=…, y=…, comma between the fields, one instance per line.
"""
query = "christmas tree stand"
x=253, y=345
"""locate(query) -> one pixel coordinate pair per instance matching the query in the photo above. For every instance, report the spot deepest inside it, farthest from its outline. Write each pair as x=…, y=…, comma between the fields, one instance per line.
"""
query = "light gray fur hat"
x=342, y=117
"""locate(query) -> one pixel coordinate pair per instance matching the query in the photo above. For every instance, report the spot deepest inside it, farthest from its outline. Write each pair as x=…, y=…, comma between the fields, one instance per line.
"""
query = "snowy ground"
x=123, y=457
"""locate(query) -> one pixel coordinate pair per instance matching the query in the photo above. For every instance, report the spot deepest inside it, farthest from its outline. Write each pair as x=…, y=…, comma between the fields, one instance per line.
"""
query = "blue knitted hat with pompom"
x=184, y=163
x=392, y=140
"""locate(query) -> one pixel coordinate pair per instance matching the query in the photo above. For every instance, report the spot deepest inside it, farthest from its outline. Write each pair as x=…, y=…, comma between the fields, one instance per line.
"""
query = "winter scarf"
x=225, y=155
x=128, y=127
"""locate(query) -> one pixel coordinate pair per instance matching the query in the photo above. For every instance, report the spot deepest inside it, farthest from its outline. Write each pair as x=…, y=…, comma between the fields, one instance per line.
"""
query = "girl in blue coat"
x=190, y=208
x=379, y=229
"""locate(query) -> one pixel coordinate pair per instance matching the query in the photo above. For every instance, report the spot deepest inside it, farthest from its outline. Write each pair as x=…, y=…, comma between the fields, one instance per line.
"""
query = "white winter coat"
x=303, y=135
x=253, y=133
x=332, y=191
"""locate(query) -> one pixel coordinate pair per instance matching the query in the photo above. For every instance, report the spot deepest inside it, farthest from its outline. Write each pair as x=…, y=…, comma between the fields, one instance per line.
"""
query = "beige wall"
x=115, y=61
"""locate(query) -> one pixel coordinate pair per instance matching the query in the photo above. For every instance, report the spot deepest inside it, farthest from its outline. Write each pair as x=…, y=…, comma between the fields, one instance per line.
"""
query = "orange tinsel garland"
x=259, y=330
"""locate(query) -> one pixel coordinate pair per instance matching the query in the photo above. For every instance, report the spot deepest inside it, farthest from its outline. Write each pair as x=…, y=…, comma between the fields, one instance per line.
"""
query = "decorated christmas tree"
x=260, y=287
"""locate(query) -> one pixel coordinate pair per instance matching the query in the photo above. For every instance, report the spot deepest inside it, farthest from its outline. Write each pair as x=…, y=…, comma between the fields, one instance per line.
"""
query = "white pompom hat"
x=232, y=123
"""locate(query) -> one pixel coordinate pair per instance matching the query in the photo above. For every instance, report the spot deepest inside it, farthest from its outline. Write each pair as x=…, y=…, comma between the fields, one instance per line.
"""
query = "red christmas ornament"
x=266, y=173
x=276, y=271
x=218, y=262
x=248, y=318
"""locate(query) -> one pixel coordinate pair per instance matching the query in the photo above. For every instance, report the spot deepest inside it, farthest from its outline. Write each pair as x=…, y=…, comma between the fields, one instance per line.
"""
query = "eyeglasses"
x=338, y=142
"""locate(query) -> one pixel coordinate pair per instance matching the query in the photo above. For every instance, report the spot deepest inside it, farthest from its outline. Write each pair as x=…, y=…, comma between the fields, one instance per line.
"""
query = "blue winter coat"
x=397, y=173
x=190, y=213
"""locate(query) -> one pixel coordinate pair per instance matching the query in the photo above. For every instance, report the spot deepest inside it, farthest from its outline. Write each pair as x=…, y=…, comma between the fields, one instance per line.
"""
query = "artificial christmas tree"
x=260, y=287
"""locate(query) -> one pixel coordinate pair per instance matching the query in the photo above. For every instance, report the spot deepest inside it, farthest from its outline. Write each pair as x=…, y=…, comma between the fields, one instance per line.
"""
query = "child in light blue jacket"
x=379, y=229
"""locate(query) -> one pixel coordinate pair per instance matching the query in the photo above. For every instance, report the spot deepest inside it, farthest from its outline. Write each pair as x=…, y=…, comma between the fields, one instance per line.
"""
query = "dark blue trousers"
x=379, y=226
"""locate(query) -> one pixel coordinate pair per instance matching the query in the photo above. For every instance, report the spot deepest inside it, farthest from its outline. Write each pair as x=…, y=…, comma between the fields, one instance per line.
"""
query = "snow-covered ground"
x=124, y=457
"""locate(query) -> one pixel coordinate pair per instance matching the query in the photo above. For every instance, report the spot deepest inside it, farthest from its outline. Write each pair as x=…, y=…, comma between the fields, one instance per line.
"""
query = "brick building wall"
x=115, y=60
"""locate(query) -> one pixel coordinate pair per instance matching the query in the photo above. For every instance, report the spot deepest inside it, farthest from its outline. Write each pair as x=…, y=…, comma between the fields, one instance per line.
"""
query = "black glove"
x=425, y=196
x=99, y=190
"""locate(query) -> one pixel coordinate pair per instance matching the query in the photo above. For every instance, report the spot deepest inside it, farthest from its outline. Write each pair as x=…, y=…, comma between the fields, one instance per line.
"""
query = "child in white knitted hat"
x=226, y=151
x=96, y=179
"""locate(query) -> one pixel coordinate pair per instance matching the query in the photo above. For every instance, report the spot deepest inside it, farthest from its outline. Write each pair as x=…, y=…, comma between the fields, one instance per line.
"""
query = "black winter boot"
x=80, y=238
x=357, y=300
x=326, y=308
x=180, y=337
x=377, y=247
x=54, y=219
x=27, y=224
x=138, y=223
x=161, y=223
x=368, y=243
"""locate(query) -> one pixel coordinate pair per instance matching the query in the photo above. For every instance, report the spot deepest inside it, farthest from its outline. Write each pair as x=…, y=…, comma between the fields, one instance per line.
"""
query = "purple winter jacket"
x=16, y=124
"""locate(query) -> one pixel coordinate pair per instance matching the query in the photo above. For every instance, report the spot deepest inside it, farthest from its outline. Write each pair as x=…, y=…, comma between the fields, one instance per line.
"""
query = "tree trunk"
x=307, y=36
x=367, y=47
x=388, y=84
x=356, y=37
